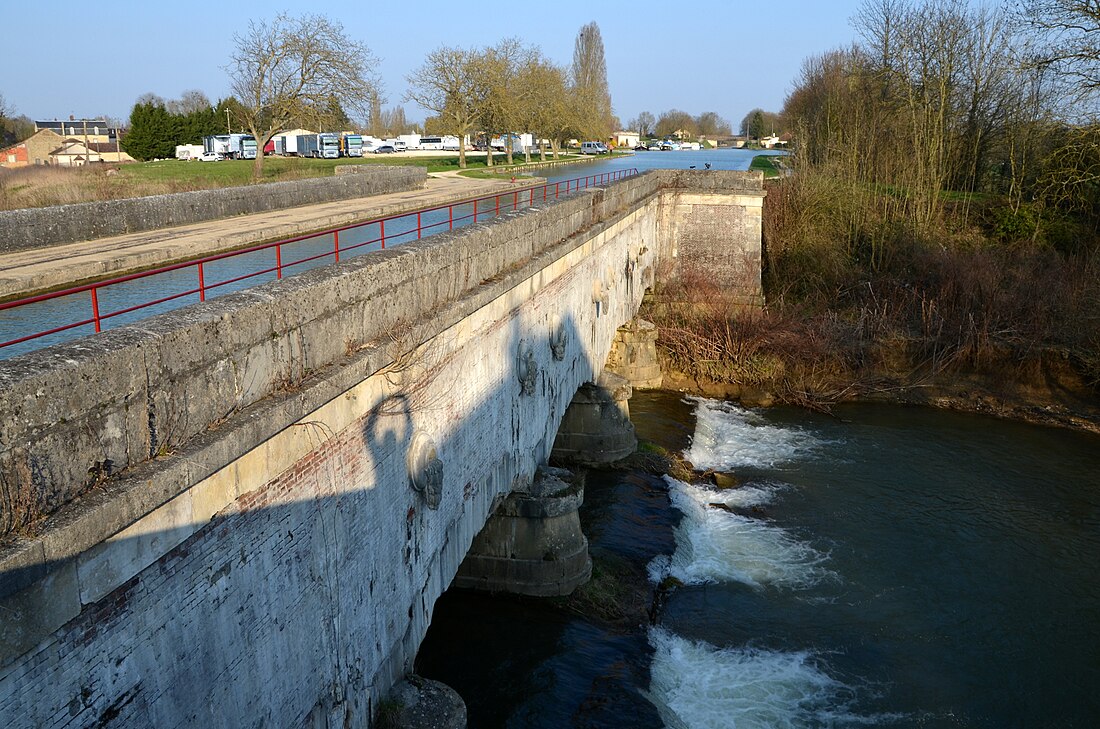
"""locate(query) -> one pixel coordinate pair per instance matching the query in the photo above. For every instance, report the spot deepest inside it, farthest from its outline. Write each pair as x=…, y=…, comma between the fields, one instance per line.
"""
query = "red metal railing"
x=527, y=196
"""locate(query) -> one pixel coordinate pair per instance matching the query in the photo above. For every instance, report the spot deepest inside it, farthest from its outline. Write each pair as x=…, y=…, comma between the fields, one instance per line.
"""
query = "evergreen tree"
x=152, y=132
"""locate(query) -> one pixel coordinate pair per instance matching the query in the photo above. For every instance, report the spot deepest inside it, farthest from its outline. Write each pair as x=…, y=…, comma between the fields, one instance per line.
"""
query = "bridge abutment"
x=533, y=544
x=596, y=428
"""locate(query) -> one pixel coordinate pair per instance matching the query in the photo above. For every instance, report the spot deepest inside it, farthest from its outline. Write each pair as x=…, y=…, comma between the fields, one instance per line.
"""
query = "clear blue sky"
x=721, y=56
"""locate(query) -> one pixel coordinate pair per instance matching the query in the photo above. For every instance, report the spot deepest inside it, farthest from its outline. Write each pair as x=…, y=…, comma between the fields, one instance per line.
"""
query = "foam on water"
x=727, y=437
x=695, y=685
x=714, y=545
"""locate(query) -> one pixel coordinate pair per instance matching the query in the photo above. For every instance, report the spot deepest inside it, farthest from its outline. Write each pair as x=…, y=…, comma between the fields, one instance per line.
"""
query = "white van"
x=594, y=148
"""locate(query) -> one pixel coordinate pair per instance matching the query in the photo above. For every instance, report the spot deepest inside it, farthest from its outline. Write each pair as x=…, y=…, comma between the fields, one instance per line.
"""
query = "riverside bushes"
x=861, y=300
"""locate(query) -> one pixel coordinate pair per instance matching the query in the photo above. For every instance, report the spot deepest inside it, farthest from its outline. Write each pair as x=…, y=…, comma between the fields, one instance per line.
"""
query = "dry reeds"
x=856, y=292
x=44, y=186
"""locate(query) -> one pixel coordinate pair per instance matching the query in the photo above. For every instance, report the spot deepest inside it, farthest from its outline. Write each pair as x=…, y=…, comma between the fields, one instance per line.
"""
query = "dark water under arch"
x=893, y=566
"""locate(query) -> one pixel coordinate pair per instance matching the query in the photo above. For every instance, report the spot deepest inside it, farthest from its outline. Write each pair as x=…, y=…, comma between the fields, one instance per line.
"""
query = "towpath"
x=32, y=271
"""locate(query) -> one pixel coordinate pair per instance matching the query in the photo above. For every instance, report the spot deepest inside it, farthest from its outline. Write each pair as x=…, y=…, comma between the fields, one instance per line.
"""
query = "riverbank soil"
x=818, y=360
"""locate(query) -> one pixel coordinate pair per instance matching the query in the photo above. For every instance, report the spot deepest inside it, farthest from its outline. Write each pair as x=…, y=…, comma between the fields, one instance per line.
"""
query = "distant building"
x=73, y=153
x=769, y=141
x=95, y=130
x=626, y=139
x=45, y=147
x=109, y=152
x=34, y=150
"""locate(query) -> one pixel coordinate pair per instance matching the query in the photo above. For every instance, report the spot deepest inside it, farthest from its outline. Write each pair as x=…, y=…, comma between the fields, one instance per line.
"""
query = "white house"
x=626, y=139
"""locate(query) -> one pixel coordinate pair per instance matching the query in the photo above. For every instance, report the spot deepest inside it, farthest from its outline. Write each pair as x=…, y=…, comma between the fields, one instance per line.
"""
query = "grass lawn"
x=44, y=186
x=239, y=172
x=765, y=163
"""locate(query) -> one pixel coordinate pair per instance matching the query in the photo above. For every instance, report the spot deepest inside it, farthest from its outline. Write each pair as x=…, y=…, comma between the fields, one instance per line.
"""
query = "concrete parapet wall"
x=43, y=227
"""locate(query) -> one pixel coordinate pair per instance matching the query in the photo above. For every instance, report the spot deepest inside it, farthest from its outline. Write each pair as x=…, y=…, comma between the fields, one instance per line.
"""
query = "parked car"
x=210, y=157
x=384, y=149
x=594, y=148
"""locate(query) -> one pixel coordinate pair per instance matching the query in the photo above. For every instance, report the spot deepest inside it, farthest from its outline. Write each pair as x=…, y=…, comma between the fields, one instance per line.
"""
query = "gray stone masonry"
x=43, y=227
x=425, y=704
x=244, y=510
x=712, y=223
x=533, y=544
x=634, y=355
x=596, y=429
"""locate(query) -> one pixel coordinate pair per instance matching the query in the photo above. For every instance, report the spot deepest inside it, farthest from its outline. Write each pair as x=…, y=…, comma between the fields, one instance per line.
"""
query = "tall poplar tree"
x=590, y=83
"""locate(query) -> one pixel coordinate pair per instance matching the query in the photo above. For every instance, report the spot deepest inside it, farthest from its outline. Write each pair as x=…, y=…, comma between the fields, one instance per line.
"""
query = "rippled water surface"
x=892, y=566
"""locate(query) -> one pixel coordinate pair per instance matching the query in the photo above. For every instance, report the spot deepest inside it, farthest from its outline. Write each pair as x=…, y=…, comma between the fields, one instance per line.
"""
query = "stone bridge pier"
x=242, y=513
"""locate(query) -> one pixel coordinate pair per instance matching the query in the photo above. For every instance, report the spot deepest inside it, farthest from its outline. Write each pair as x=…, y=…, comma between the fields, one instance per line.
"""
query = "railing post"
x=475, y=211
x=95, y=308
x=450, y=217
x=557, y=186
x=336, y=244
x=497, y=213
x=418, y=225
x=202, y=284
x=278, y=261
x=382, y=232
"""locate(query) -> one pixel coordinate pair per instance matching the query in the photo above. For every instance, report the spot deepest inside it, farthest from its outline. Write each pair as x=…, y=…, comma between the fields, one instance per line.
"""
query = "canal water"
x=179, y=288
x=889, y=566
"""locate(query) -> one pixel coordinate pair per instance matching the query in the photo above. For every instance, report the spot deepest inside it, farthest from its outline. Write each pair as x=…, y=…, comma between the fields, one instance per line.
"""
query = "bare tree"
x=544, y=106
x=643, y=124
x=190, y=101
x=5, y=110
x=1071, y=34
x=391, y=122
x=709, y=124
x=676, y=123
x=283, y=67
x=149, y=98
x=453, y=84
x=500, y=65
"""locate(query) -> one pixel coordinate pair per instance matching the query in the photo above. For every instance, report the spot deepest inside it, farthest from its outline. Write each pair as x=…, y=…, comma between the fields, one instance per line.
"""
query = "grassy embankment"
x=767, y=164
x=983, y=310
x=44, y=186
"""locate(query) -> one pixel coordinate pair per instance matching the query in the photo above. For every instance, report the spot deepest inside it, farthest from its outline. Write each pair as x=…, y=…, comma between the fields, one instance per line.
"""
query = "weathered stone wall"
x=235, y=537
x=81, y=412
x=42, y=227
x=298, y=581
x=711, y=222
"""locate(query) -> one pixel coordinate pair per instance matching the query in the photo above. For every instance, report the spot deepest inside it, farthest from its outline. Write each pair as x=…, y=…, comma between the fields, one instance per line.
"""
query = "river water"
x=889, y=566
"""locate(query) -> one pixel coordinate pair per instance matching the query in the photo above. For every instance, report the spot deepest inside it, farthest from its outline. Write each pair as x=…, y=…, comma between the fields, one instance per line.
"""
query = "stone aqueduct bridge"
x=246, y=509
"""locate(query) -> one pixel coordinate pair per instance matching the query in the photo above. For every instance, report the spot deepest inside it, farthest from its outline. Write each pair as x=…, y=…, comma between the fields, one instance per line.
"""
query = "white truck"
x=286, y=144
x=323, y=145
x=351, y=145
x=231, y=146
